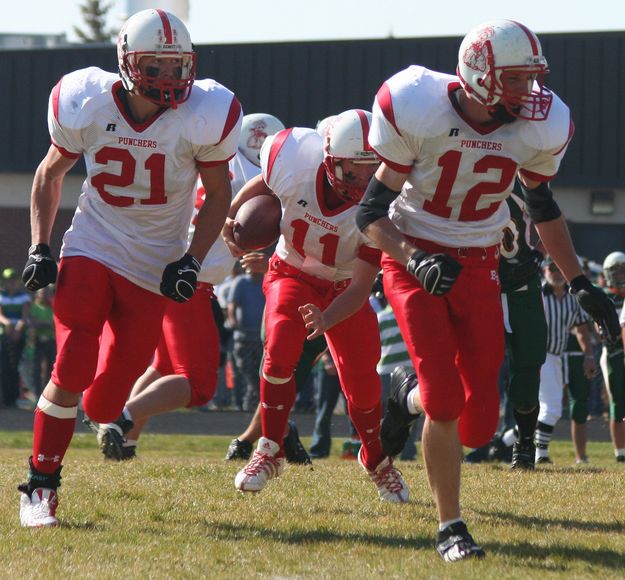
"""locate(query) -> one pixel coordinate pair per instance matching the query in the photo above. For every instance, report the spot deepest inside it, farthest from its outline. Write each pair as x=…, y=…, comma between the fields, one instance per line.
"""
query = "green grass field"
x=174, y=513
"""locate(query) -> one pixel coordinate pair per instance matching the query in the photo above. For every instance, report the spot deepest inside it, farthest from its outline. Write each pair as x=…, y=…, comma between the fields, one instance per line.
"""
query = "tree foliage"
x=94, y=13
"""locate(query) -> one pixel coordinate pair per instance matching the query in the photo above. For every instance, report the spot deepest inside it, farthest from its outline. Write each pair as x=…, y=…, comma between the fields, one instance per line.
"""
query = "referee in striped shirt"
x=563, y=315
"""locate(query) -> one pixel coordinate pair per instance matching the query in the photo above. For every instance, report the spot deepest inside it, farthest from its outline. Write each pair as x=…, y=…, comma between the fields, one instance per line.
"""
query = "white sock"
x=448, y=523
x=126, y=414
x=412, y=409
x=130, y=443
x=510, y=437
x=619, y=452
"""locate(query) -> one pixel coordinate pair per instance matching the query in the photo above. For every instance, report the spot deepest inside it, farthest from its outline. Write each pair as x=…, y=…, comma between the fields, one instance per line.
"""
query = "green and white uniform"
x=613, y=369
x=524, y=316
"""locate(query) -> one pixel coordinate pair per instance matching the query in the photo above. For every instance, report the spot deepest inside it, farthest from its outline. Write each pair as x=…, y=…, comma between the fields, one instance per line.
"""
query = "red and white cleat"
x=39, y=510
x=387, y=478
x=262, y=467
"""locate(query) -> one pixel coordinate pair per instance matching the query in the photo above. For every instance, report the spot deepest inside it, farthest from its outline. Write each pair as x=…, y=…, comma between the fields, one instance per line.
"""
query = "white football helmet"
x=346, y=139
x=156, y=33
x=324, y=124
x=498, y=46
x=255, y=128
x=614, y=270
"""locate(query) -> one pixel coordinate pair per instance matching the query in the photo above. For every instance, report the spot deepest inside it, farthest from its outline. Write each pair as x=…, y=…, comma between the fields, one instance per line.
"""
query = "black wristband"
x=42, y=249
x=580, y=283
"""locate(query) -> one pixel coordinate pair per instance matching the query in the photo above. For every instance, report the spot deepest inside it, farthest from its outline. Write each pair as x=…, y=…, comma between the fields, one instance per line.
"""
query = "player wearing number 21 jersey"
x=319, y=279
x=144, y=138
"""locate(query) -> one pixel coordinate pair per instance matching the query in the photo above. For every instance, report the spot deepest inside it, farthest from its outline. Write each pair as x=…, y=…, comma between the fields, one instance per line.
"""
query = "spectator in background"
x=245, y=306
x=43, y=340
x=15, y=306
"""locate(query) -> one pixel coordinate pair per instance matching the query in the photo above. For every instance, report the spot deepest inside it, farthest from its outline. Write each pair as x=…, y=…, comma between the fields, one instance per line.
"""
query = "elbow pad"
x=375, y=203
x=540, y=204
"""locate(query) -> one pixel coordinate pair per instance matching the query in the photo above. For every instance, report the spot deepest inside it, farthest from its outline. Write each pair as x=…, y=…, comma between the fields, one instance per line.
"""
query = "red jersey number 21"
x=154, y=164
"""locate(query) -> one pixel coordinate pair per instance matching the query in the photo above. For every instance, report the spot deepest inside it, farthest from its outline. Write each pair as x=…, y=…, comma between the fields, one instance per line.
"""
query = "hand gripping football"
x=258, y=222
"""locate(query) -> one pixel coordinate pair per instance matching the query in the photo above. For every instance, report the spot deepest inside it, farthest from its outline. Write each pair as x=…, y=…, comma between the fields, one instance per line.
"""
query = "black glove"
x=180, y=278
x=517, y=275
x=436, y=272
x=596, y=302
x=40, y=269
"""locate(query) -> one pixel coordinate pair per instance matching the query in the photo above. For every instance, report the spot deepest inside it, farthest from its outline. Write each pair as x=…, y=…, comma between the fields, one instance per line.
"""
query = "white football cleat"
x=39, y=510
x=262, y=467
x=391, y=485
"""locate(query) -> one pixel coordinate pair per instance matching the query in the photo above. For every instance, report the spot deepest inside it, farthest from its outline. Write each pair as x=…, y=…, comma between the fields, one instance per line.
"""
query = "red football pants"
x=107, y=330
x=189, y=344
x=455, y=341
x=353, y=343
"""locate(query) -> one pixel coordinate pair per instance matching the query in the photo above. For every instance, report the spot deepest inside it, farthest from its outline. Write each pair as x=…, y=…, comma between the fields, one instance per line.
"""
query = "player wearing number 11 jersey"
x=319, y=279
x=144, y=137
x=451, y=147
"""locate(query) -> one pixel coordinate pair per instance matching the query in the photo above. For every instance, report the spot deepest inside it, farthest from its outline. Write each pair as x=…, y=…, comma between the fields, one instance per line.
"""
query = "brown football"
x=258, y=222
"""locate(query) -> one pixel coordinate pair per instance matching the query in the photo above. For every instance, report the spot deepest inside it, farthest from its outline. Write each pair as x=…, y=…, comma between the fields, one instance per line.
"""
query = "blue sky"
x=275, y=20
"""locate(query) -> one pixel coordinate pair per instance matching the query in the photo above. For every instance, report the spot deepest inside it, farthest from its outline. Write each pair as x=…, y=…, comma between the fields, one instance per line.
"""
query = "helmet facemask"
x=169, y=92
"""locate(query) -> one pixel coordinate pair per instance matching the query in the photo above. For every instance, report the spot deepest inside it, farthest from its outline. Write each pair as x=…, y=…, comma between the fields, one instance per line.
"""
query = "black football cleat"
x=397, y=420
x=238, y=450
x=455, y=543
x=294, y=451
x=523, y=456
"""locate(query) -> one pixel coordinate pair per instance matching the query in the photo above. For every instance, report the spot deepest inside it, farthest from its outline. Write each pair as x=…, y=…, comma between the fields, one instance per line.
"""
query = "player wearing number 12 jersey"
x=319, y=279
x=451, y=147
x=144, y=139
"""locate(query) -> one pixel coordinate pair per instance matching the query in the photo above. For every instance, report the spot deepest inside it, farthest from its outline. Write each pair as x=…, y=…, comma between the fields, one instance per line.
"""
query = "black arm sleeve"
x=375, y=203
x=540, y=204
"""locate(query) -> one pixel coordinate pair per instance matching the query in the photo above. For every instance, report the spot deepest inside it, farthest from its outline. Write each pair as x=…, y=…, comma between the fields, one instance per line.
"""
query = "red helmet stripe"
x=530, y=36
x=169, y=38
x=364, y=122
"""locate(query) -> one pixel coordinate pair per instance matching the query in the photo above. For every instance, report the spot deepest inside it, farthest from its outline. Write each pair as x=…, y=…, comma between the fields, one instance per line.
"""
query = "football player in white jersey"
x=322, y=263
x=185, y=366
x=451, y=147
x=144, y=139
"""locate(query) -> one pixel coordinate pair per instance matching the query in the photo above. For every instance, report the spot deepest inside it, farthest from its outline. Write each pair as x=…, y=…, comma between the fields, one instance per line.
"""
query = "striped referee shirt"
x=562, y=315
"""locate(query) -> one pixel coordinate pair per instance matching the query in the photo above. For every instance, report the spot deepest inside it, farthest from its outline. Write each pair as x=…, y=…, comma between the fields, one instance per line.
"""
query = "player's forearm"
x=557, y=241
x=210, y=220
x=344, y=305
x=389, y=239
x=44, y=204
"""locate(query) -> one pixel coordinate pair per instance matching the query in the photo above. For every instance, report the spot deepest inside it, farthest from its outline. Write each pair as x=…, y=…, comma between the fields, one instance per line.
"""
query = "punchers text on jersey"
x=458, y=172
x=320, y=241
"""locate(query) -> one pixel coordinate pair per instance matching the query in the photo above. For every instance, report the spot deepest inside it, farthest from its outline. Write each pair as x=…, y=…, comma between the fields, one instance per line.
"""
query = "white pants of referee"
x=551, y=389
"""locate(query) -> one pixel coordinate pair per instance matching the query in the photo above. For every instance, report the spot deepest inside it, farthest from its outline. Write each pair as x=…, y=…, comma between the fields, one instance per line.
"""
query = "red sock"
x=276, y=404
x=367, y=423
x=51, y=438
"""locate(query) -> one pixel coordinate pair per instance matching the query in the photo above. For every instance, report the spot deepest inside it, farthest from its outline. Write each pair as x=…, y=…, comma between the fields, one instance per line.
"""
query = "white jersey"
x=134, y=211
x=219, y=261
x=319, y=241
x=458, y=172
